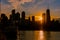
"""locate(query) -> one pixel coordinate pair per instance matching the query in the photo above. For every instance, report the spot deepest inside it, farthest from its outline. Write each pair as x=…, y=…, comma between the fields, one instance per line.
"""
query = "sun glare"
x=40, y=18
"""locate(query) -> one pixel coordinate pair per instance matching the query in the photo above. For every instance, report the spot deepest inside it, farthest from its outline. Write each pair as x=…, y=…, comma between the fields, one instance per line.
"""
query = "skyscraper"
x=12, y=16
x=18, y=16
x=13, y=11
x=29, y=18
x=44, y=18
x=48, y=16
x=23, y=20
x=33, y=18
x=23, y=15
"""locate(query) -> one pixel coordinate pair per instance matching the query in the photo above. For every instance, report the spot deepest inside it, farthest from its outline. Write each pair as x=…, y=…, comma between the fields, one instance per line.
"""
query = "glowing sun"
x=40, y=18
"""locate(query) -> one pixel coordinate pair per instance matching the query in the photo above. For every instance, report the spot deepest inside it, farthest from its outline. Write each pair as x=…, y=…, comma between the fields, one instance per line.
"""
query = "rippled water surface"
x=44, y=35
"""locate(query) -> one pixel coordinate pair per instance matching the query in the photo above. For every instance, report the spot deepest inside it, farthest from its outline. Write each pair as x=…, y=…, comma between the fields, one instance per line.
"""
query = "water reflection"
x=44, y=35
x=41, y=35
x=49, y=35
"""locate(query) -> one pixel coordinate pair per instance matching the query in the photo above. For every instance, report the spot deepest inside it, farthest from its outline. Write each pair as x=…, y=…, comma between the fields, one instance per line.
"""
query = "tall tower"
x=44, y=18
x=17, y=16
x=12, y=16
x=48, y=13
x=23, y=15
x=33, y=18
x=13, y=11
x=29, y=19
x=48, y=16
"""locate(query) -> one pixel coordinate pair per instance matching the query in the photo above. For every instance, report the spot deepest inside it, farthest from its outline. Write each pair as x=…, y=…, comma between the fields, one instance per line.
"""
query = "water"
x=39, y=35
x=44, y=35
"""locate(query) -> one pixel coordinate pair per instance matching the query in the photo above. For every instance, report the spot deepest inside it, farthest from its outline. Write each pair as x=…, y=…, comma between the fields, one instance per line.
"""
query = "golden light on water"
x=41, y=35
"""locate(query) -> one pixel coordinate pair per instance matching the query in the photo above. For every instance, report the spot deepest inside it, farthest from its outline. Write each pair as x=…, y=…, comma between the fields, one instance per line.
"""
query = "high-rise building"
x=13, y=11
x=48, y=16
x=23, y=15
x=12, y=16
x=29, y=18
x=44, y=18
x=18, y=16
x=33, y=18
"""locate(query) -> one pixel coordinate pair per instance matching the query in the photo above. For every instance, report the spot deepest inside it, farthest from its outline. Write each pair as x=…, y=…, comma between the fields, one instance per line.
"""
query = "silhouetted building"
x=17, y=16
x=23, y=15
x=48, y=16
x=44, y=18
x=4, y=18
x=12, y=16
x=23, y=21
x=13, y=11
x=29, y=19
x=33, y=18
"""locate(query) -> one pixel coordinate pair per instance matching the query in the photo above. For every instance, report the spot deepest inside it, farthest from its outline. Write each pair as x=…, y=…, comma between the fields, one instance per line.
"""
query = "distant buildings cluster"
x=16, y=21
x=22, y=23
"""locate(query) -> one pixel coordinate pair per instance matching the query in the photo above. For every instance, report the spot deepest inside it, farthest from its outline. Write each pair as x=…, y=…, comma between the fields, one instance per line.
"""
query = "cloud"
x=16, y=3
x=23, y=1
x=5, y=8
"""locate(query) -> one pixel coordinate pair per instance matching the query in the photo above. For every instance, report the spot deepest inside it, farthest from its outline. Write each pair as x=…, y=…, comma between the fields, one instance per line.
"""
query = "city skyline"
x=31, y=7
x=29, y=19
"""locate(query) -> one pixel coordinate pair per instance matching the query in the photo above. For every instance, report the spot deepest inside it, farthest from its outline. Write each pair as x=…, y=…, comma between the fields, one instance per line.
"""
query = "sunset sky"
x=31, y=7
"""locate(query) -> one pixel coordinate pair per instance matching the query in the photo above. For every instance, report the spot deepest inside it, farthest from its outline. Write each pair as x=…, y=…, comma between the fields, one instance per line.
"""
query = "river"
x=38, y=35
x=50, y=35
